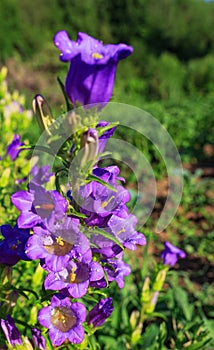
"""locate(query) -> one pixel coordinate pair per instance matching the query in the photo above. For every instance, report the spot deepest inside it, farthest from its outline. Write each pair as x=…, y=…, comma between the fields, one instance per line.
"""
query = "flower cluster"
x=78, y=236
x=78, y=232
x=78, y=254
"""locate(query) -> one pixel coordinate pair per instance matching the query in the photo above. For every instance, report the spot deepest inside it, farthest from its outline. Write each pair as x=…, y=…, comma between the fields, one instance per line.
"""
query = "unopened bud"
x=43, y=113
x=134, y=318
x=159, y=280
x=89, y=146
x=151, y=305
x=145, y=297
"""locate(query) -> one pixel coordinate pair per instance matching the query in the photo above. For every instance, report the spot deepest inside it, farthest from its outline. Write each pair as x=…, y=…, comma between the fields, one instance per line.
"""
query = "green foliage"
x=200, y=75
x=13, y=119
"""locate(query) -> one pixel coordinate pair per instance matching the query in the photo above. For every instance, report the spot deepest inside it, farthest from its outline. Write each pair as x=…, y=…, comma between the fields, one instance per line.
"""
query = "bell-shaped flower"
x=99, y=314
x=171, y=254
x=12, y=247
x=13, y=148
x=11, y=332
x=39, y=206
x=75, y=277
x=64, y=320
x=59, y=245
x=91, y=75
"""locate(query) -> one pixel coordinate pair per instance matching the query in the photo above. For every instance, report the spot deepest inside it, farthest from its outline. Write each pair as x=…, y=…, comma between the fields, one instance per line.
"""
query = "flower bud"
x=89, y=146
x=145, y=297
x=159, y=280
x=10, y=331
x=151, y=305
x=43, y=113
x=134, y=318
x=98, y=315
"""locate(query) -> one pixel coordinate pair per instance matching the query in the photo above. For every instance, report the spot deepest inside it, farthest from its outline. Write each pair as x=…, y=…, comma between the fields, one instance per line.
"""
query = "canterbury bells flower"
x=91, y=75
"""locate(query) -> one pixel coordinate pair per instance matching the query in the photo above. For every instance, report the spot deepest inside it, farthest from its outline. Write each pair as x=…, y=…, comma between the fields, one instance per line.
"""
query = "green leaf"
x=105, y=234
x=69, y=106
x=72, y=211
x=181, y=298
x=157, y=314
x=91, y=177
x=111, y=343
x=148, y=338
x=101, y=130
x=209, y=324
x=199, y=345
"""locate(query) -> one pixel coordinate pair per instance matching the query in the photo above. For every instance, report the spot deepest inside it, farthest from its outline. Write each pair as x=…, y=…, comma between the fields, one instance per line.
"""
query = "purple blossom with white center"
x=38, y=340
x=171, y=254
x=41, y=175
x=11, y=332
x=99, y=314
x=105, y=136
x=75, y=277
x=39, y=206
x=64, y=320
x=92, y=71
x=13, y=148
x=13, y=246
x=59, y=245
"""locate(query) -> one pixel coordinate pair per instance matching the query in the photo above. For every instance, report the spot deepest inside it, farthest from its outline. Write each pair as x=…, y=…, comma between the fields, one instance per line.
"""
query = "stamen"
x=97, y=55
x=105, y=203
x=72, y=275
x=121, y=231
x=45, y=206
x=60, y=241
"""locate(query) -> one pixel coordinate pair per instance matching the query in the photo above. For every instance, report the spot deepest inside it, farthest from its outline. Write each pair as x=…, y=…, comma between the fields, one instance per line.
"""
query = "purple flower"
x=64, y=320
x=99, y=202
x=108, y=174
x=116, y=269
x=11, y=332
x=92, y=67
x=123, y=228
x=105, y=247
x=105, y=136
x=98, y=315
x=13, y=246
x=39, y=206
x=38, y=340
x=13, y=148
x=75, y=277
x=40, y=175
x=171, y=254
x=59, y=245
